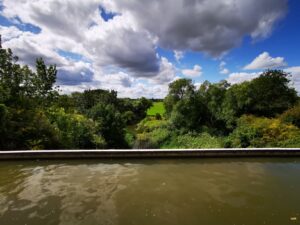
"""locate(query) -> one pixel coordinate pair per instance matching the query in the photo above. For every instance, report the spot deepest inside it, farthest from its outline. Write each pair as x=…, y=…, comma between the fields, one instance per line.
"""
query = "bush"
x=158, y=116
x=194, y=141
x=292, y=116
x=129, y=138
x=154, y=139
x=254, y=131
x=27, y=129
x=76, y=131
x=149, y=124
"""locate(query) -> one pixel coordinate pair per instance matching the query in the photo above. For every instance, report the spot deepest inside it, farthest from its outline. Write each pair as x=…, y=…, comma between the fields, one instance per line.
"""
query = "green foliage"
x=268, y=95
x=263, y=132
x=75, y=130
x=34, y=116
x=20, y=86
x=194, y=141
x=157, y=108
x=153, y=139
x=219, y=105
x=292, y=116
x=178, y=90
x=148, y=124
x=111, y=124
x=158, y=116
x=271, y=94
x=3, y=114
x=90, y=98
x=27, y=129
x=129, y=138
x=236, y=102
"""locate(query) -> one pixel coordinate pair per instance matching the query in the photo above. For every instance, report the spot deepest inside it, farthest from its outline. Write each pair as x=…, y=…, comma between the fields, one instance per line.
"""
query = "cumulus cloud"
x=178, y=55
x=166, y=74
x=295, y=76
x=73, y=73
x=9, y=33
x=236, y=78
x=294, y=70
x=195, y=25
x=195, y=72
x=223, y=69
x=116, y=42
x=129, y=50
x=265, y=61
x=123, y=50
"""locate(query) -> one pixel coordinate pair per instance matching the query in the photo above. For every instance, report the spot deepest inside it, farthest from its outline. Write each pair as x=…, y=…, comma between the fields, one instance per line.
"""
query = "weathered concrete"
x=166, y=153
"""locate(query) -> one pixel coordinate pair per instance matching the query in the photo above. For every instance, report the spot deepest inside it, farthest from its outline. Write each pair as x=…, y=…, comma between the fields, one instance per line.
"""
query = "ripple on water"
x=180, y=192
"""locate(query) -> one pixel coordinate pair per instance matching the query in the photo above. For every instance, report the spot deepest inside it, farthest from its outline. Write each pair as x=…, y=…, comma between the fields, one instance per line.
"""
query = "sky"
x=137, y=47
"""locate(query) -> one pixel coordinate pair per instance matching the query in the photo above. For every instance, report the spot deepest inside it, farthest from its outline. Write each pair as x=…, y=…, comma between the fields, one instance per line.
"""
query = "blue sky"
x=139, y=47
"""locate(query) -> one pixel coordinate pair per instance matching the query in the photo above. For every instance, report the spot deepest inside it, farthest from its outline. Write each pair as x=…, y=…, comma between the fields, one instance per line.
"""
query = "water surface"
x=183, y=192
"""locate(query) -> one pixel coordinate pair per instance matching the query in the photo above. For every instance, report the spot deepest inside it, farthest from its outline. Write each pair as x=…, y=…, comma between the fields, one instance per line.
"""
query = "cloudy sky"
x=138, y=47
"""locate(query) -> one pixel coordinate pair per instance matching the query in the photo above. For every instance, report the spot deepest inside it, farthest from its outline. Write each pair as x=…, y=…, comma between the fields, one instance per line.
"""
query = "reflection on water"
x=200, y=191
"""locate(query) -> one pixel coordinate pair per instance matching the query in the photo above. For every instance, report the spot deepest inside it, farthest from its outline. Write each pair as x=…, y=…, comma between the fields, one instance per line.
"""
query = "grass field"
x=158, y=107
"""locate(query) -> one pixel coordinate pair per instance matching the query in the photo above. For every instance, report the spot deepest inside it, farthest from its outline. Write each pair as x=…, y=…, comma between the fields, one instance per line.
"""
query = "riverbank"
x=149, y=153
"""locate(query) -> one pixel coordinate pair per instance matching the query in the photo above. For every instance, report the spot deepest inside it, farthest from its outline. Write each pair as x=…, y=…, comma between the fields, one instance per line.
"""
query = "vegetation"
x=157, y=108
x=34, y=115
x=264, y=112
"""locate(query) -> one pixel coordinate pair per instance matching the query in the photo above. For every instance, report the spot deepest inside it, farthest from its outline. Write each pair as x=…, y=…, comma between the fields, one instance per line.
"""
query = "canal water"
x=154, y=192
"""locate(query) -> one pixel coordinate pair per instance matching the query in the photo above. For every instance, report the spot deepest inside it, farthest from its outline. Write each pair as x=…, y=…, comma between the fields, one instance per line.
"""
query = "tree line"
x=33, y=115
x=263, y=112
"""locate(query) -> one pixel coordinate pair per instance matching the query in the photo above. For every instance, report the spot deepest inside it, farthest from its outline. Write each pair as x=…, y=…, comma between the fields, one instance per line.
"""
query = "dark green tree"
x=178, y=90
x=111, y=124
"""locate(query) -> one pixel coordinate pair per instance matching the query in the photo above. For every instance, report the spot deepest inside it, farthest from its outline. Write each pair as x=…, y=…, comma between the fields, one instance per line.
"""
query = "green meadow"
x=157, y=108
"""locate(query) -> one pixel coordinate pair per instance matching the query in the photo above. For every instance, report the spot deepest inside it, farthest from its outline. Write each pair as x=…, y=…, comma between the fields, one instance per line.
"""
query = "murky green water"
x=183, y=192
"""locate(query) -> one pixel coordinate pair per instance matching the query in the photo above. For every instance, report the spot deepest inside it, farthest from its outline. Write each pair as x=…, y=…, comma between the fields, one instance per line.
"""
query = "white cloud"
x=195, y=25
x=236, y=78
x=294, y=71
x=123, y=50
x=295, y=76
x=178, y=55
x=166, y=74
x=9, y=33
x=265, y=61
x=223, y=69
x=195, y=72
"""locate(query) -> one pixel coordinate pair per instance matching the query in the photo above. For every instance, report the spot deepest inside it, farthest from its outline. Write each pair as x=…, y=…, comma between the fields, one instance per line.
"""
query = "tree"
x=178, y=90
x=19, y=85
x=89, y=98
x=111, y=124
x=212, y=97
x=271, y=94
x=23, y=95
x=268, y=95
x=236, y=102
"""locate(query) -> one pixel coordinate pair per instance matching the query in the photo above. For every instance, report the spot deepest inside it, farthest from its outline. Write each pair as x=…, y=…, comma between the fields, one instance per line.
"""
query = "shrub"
x=158, y=116
x=76, y=131
x=194, y=141
x=292, y=116
x=254, y=131
x=153, y=139
x=149, y=124
x=27, y=129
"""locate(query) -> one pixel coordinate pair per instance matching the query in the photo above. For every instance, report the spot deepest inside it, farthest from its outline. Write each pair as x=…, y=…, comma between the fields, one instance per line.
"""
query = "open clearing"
x=158, y=107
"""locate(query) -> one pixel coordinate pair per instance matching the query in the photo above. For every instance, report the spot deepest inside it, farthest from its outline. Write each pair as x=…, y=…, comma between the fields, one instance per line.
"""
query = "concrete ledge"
x=155, y=153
